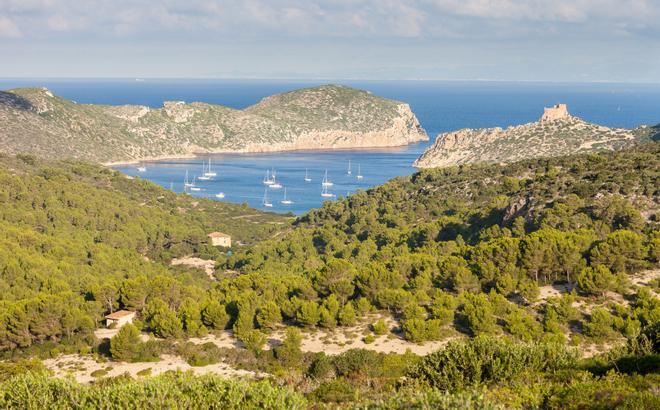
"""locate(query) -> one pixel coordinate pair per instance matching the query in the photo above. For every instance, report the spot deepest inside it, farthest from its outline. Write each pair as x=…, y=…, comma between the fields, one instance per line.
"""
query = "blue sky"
x=527, y=40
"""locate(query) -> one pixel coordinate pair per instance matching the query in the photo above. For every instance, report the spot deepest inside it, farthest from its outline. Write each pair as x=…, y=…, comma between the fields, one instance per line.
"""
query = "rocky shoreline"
x=321, y=118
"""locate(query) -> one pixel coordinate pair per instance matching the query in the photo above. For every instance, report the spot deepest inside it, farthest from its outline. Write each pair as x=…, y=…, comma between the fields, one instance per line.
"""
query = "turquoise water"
x=440, y=106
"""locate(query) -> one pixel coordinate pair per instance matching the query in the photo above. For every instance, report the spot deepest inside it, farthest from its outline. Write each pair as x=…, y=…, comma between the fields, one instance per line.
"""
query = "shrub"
x=357, y=362
x=478, y=313
x=335, y=391
x=595, y=281
x=321, y=367
x=289, y=353
x=125, y=345
x=485, y=359
x=380, y=327
x=171, y=390
x=368, y=339
x=99, y=373
x=144, y=372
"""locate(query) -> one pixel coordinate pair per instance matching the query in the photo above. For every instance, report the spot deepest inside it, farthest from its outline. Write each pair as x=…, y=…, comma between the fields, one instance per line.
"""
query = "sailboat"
x=307, y=178
x=349, y=168
x=186, y=183
x=193, y=187
x=142, y=168
x=266, y=202
x=325, y=193
x=274, y=184
x=359, y=174
x=267, y=179
x=326, y=182
x=204, y=176
x=209, y=172
x=220, y=195
x=286, y=201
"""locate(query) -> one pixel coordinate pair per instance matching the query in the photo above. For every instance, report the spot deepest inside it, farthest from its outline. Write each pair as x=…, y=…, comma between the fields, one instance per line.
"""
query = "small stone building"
x=119, y=318
x=220, y=239
x=558, y=112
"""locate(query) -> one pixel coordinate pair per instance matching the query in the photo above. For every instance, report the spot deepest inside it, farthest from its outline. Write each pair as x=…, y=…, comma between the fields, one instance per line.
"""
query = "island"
x=35, y=121
x=557, y=133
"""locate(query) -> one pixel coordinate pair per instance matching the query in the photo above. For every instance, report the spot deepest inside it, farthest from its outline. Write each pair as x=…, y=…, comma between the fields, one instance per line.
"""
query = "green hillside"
x=541, y=276
x=73, y=235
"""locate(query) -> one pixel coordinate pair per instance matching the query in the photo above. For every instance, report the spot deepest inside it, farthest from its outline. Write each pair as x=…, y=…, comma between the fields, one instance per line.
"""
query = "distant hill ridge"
x=33, y=120
x=557, y=133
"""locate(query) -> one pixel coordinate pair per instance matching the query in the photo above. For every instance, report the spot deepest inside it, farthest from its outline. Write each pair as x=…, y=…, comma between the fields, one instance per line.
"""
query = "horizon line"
x=302, y=79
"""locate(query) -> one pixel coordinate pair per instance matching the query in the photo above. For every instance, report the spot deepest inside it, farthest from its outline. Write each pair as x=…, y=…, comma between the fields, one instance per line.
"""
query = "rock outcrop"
x=327, y=117
x=556, y=133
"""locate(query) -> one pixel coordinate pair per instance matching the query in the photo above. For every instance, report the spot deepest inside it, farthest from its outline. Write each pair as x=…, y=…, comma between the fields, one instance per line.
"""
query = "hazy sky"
x=556, y=40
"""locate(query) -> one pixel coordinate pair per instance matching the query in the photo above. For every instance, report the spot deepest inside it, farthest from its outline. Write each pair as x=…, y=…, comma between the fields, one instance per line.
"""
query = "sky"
x=508, y=40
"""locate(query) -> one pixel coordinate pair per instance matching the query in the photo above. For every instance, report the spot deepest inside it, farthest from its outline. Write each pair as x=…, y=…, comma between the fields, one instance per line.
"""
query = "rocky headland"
x=34, y=120
x=556, y=133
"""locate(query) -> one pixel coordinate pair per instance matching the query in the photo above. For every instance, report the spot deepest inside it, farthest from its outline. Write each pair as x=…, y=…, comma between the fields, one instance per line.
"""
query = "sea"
x=440, y=106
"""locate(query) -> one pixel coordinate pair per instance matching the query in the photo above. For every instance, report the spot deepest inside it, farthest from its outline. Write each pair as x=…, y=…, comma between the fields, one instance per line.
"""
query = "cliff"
x=557, y=133
x=327, y=117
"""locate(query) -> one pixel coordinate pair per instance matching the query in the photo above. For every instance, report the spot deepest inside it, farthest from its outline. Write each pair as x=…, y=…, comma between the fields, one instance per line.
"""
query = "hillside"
x=38, y=122
x=528, y=285
x=553, y=135
x=70, y=230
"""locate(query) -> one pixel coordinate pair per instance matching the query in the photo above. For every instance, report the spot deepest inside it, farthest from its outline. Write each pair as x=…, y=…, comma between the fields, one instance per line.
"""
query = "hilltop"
x=557, y=133
x=34, y=120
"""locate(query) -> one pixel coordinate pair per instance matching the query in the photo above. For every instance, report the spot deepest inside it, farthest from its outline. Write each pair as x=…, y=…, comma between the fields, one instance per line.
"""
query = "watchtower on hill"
x=558, y=112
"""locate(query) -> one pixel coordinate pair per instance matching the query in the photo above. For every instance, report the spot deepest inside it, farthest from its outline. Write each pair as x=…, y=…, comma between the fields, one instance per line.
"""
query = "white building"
x=119, y=318
x=220, y=239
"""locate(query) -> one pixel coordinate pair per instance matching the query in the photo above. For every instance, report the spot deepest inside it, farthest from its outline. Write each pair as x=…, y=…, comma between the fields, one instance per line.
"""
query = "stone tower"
x=558, y=112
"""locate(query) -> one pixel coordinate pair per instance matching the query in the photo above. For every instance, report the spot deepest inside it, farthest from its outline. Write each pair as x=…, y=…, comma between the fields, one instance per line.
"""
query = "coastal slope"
x=557, y=133
x=33, y=120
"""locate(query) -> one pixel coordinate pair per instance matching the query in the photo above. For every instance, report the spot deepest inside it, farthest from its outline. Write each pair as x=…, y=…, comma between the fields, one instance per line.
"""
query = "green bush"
x=485, y=359
x=172, y=390
x=334, y=391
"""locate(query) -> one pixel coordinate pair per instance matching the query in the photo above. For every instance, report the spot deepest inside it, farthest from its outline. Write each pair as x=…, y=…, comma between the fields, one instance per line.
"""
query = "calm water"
x=440, y=106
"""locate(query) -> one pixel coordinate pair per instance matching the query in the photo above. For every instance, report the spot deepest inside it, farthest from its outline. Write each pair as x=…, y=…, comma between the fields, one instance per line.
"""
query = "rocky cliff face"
x=557, y=133
x=326, y=117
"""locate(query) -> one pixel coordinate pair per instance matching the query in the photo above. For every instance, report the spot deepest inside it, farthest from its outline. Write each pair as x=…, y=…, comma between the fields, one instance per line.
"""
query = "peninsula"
x=557, y=133
x=35, y=121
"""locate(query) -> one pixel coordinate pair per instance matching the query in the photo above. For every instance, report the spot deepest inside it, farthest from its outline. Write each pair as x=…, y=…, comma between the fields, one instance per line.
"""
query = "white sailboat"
x=286, y=201
x=267, y=178
x=209, y=172
x=274, y=184
x=186, y=183
x=325, y=193
x=266, y=202
x=142, y=168
x=193, y=187
x=359, y=174
x=349, y=168
x=220, y=195
x=204, y=177
x=307, y=178
x=326, y=182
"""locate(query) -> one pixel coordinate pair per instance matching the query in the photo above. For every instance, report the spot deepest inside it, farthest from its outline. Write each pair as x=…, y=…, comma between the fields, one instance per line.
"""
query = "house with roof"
x=119, y=318
x=220, y=239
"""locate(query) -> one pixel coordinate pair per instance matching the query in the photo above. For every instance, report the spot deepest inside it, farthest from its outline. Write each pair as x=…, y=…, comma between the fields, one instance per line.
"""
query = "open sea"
x=439, y=105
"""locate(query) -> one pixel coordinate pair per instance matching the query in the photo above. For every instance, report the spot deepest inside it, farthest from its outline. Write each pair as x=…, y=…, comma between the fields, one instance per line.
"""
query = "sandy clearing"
x=207, y=265
x=81, y=367
x=338, y=340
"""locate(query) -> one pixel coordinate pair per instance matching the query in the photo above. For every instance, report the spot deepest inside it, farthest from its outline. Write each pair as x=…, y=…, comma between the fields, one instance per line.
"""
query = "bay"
x=440, y=106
